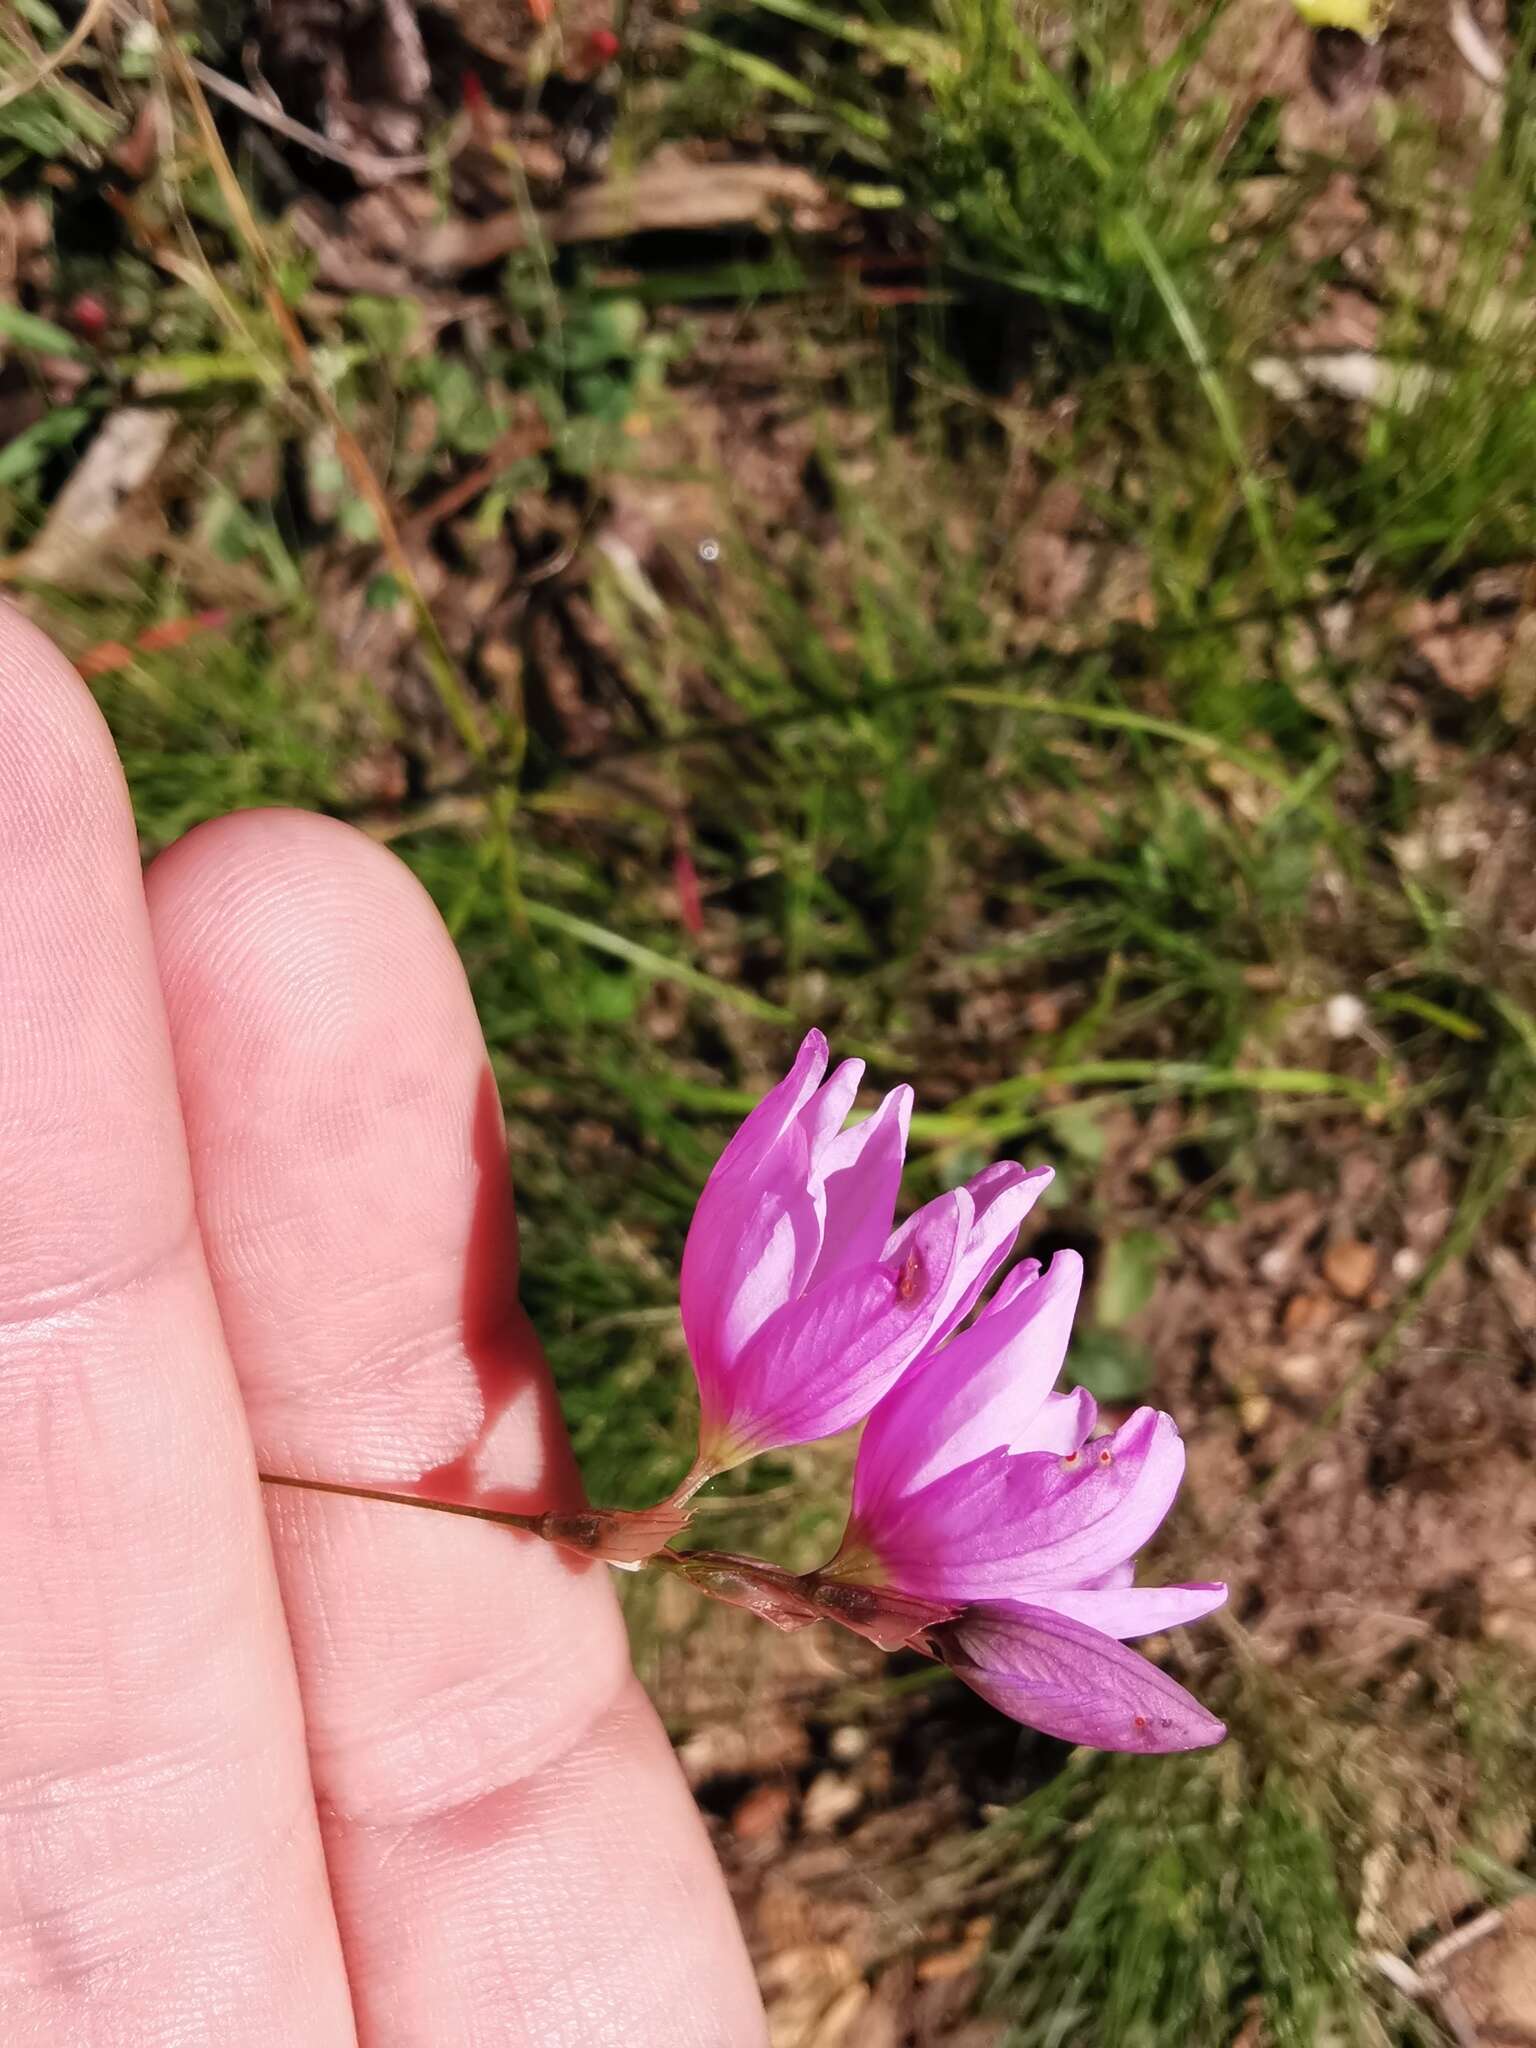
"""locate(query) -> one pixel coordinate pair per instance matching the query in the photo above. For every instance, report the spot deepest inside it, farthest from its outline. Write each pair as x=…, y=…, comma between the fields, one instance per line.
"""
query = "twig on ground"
x=526, y=437
x=666, y=193
x=55, y=60
x=363, y=163
x=1434, y=1960
x=1474, y=48
x=1426, y=1984
x=1423, y=1991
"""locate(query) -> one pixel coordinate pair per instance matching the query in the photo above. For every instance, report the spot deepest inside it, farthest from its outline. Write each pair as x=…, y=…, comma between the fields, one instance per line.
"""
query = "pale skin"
x=278, y=1767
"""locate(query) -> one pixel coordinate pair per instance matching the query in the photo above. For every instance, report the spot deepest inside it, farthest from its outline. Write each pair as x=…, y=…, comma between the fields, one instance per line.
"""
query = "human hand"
x=290, y=1770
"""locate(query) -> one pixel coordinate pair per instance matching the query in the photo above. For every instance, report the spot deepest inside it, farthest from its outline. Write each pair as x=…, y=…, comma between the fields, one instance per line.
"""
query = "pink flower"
x=1053, y=1673
x=801, y=1305
x=978, y=1486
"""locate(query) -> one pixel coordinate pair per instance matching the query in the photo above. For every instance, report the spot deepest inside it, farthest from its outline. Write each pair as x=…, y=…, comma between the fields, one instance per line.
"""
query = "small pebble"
x=1278, y=1264
x=762, y=1814
x=1254, y=1412
x=1305, y=1312
x=1300, y=1371
x=1344, y=1015
x=1349, y=1267
x=828, y=1800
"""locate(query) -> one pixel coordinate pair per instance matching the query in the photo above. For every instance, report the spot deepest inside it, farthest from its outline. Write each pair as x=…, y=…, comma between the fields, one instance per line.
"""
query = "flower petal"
x=1004, y=1527
x=776, y=1112
x=1134, y=1610
x=1002, y=1195
x=1118, y=1575
x=1053, y=1673
x=980, y=1393
x=1062, y=1424
x=860, y=1174
x=1077, y=1515
x=820, y=1363
x=951, y=1540
x=1021, y=1274
x=827, y=1111
x=752, y=1246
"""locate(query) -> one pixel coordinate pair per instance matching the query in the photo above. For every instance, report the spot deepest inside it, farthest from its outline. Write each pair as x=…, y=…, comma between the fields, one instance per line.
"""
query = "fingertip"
x=274, y=848
x=60, y=779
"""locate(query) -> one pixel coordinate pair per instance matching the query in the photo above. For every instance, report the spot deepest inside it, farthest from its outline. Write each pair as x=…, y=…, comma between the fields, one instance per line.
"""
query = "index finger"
x=514, y=1855
x=160, y=1869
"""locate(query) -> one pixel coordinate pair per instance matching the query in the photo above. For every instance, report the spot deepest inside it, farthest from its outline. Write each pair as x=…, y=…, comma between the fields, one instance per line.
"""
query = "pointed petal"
x=1134, y=1610
x=827, y=1111
x=982, y=1392
x=1021, y=1274
x=777, y=1110
x=994, y=1185
x=1052, y=1673
x=1056, y=1522
x=861, y=1172
x=1004, y=1195
x=820, y=1364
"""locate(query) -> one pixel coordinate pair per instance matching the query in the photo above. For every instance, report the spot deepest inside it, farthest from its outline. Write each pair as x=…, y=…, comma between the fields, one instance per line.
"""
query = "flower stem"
x=407, y=1500
x=617, y=1536
x=698, y=1475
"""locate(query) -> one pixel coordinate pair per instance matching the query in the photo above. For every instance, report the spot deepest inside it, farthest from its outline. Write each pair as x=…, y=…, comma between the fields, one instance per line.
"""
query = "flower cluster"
x=990, y=1525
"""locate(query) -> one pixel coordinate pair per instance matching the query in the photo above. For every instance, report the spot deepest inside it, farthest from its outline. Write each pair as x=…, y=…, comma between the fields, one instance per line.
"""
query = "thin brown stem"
x=530, y=1523
x=617, y=1536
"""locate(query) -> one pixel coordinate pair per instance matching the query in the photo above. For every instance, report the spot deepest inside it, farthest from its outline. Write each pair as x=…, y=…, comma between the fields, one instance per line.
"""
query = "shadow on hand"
x=501, y=1345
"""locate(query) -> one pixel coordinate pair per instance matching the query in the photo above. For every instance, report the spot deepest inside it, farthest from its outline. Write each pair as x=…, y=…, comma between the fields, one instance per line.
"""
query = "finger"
x=160, y=1867
x=513, y=1854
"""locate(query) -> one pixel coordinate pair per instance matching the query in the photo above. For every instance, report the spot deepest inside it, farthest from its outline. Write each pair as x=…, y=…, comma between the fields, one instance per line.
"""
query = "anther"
x=910, y=1280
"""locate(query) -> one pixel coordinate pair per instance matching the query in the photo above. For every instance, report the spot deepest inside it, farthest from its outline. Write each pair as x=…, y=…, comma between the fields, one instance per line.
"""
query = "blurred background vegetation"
x=1007, y=531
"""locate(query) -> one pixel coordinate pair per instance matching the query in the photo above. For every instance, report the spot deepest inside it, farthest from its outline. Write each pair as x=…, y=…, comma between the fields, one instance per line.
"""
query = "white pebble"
x=1345, y=1015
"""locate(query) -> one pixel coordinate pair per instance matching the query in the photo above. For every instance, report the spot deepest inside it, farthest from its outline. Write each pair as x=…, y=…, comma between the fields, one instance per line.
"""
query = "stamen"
x=909, y=1283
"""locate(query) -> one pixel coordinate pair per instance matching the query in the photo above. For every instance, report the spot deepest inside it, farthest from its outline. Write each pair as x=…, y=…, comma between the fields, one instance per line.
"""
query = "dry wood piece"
x=1480, y=1981
x=120, y=460
x=670, y=191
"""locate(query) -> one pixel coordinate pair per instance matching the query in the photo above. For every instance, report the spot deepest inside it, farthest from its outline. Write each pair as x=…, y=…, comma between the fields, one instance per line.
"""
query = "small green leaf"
x=1079, y=1129
x=1128, y=1275
x=387, y=325
x=31, y=448
x=28, y=330
x=357, y=519
x=1111, y=1367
